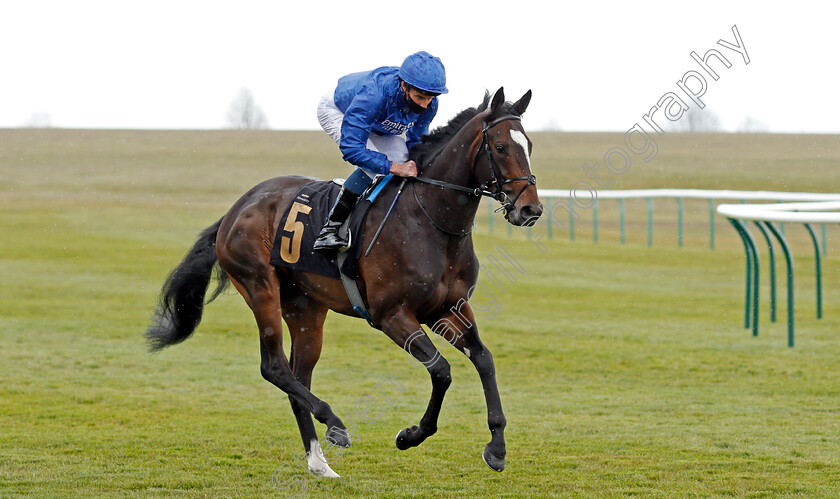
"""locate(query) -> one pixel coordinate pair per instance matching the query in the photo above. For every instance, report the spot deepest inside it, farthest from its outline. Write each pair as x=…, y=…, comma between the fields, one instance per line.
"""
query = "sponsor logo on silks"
x=396, y=128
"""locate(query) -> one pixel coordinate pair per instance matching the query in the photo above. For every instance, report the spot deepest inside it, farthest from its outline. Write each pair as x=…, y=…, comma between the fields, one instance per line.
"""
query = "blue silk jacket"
x=372, y=102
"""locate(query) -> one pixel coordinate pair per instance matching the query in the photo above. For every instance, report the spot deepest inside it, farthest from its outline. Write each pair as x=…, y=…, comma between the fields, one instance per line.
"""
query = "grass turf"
x=624, y=369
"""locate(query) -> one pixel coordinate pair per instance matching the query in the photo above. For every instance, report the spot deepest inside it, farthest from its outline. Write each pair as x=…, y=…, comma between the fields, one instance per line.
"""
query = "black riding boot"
x=329, y=239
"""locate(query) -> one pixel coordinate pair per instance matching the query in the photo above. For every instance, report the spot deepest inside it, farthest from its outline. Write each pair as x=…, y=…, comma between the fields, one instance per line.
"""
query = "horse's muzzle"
x=525, y=216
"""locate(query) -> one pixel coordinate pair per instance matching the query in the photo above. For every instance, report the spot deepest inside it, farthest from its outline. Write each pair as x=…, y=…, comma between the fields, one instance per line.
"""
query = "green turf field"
x=624, y=369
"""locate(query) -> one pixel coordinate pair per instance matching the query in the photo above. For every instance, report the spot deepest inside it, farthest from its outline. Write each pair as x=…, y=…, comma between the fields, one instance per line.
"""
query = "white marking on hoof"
x=317, y=462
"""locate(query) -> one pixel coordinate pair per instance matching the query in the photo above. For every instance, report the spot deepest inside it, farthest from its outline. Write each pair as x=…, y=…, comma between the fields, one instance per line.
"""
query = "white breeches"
x=330, y=118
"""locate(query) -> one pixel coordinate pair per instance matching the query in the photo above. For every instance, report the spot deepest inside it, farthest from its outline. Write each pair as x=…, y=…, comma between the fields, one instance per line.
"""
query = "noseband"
x=497, y=181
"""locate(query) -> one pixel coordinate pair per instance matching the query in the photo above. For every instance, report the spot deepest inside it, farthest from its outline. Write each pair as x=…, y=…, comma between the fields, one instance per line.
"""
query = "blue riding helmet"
x=424, y=71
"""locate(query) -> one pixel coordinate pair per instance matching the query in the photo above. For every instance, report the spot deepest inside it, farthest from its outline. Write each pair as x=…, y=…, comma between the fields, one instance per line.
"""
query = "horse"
x=421, y=270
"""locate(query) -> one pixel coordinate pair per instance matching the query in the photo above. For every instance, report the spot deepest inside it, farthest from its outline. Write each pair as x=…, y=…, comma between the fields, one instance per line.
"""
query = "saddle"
x=302, y=221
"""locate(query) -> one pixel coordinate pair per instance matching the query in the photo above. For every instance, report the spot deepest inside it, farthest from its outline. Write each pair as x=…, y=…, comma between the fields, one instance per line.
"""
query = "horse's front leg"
x=459, y=328
x=403, y=328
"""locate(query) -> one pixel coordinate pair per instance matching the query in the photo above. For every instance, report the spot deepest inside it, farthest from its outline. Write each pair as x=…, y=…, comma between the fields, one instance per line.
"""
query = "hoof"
x=338, y=437
x=495, y=463
x=409, y=437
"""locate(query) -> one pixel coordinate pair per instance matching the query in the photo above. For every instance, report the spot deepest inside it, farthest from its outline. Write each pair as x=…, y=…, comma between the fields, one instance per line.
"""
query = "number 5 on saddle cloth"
x=301, y=223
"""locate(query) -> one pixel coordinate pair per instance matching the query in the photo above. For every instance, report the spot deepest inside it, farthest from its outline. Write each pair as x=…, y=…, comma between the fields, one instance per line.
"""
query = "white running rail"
x=815, y=212
x=695, y=194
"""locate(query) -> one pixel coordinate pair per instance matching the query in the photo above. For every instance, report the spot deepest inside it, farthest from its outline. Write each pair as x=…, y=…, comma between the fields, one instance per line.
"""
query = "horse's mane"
x=432, y=143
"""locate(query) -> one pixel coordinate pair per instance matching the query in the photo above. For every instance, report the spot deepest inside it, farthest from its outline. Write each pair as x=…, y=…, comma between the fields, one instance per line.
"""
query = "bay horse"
x=421, y=270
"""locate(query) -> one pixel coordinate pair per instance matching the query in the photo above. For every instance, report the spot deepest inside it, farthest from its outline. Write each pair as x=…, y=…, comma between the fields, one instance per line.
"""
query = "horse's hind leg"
x=461, y=331
x=403, y=328
x=305, y=319
x=262, y=293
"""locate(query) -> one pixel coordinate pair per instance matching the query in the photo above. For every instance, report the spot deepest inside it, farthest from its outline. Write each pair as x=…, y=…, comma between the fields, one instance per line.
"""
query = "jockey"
x=366, y=116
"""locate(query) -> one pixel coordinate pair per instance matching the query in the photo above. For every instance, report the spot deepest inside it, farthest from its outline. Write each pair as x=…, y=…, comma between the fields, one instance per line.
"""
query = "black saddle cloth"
x=301, y=223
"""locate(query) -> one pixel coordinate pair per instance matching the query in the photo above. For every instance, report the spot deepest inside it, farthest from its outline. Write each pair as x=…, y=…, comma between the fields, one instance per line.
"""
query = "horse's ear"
x=483, y=107
x=522, y=104
x=498, y=100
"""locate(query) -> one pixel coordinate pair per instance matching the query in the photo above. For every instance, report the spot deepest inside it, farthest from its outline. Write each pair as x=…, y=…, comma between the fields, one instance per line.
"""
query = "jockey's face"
x=419, y=98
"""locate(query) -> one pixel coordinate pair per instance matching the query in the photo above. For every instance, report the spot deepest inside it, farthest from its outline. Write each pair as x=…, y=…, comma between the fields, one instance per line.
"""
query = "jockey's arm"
x=356, y=128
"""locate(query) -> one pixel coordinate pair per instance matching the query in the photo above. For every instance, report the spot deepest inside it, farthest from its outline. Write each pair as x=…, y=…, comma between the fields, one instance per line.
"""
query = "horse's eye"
x=500, y=148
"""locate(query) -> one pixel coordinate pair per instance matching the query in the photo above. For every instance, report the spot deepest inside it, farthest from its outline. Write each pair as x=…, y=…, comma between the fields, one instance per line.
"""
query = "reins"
x=477, y=192
x=438, y=227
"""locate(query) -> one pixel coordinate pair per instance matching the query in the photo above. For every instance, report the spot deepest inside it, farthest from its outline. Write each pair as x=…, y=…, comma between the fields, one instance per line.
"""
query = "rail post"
x=772, y=253
x=621, y=218
x=711, y=224
x=789, y=261
x=680, y=222
x=752, y=274
x=818, y=269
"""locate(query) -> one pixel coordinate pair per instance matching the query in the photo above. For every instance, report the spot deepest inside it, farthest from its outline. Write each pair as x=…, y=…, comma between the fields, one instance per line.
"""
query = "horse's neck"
x=453, y=165
x=455, y=162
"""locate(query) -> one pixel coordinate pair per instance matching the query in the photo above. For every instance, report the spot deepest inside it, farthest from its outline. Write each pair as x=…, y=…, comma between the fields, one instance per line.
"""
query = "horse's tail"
x=182, y=297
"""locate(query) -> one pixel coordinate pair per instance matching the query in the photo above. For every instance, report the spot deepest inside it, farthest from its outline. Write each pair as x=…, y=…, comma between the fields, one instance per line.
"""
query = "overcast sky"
x=592, y=65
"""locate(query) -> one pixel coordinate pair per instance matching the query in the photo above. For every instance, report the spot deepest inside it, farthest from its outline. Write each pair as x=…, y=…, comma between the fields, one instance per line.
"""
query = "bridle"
x=496, y=182
x=495, y=172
